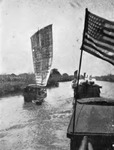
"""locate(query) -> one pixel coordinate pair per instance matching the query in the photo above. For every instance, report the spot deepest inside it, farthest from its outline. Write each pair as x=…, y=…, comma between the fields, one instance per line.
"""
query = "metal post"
x=76, y=94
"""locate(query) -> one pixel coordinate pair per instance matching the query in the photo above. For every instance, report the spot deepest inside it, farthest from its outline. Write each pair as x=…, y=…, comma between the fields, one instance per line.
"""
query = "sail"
x=42, y=52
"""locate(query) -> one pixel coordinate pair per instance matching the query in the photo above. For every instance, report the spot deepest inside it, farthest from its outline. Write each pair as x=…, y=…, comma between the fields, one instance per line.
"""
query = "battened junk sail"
x=42, y=52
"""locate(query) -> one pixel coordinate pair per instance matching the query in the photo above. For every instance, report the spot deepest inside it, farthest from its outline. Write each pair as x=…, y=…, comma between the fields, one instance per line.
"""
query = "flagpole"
x=76, y=91
x=77, y=85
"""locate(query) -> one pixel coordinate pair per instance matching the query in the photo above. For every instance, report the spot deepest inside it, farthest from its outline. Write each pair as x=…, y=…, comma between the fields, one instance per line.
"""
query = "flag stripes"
x=97, y=54
x=98, y=38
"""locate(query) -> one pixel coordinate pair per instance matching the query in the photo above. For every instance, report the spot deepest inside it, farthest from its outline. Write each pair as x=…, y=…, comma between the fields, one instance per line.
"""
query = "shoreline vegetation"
x=14, y=84
x=11, y=84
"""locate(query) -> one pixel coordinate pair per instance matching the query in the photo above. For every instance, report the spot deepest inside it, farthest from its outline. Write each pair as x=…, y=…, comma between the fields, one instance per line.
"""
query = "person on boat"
x=74, y=85
x=74, y=82
x=81, y=81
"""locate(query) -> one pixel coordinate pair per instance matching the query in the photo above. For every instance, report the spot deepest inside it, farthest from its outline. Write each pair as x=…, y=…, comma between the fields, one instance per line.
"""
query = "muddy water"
x=26, y=126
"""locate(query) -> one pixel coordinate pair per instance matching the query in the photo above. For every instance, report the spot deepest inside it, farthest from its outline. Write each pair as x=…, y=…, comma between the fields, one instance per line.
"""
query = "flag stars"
x=99, y=37
x=110, y=33
x=94, y=27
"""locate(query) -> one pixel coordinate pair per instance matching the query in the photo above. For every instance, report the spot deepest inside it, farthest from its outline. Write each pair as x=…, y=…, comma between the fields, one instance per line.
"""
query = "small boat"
x=33, y=93
x=52, y=84
x=92, y=121
x=87, y=89
x=42, y=52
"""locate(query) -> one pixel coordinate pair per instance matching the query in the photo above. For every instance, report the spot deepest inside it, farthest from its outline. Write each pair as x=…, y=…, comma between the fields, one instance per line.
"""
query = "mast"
x=80, y=62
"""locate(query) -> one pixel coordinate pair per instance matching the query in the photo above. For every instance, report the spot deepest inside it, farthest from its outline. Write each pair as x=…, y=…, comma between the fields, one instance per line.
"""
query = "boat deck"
x=92, y=119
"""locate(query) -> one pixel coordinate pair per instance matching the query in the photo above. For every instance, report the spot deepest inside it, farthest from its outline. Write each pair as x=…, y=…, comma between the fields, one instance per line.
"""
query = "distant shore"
x=14, y=84
x=109, y=78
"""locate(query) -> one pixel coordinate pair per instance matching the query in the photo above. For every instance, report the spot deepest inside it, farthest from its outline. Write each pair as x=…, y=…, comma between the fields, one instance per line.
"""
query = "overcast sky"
x=20, y=19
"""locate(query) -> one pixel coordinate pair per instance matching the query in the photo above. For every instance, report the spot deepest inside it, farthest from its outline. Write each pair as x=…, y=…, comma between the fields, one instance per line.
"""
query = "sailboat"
x=92, y=121
x=42, y=52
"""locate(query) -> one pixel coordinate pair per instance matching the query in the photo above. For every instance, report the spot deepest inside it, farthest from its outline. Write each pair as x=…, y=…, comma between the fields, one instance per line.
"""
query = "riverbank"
x=9, y=88
x=14, y=84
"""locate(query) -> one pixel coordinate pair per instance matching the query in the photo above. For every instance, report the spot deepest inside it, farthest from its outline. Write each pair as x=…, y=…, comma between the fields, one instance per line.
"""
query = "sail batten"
x=42, y=52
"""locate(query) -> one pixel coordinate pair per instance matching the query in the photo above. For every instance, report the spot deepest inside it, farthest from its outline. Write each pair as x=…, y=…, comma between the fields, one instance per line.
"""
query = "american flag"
x=98, y=37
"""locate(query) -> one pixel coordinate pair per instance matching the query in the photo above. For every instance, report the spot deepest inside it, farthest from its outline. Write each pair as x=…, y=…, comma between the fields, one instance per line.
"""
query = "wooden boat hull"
x=37, y=102
x=32, y=92
x=86, y=90
x=52, y=84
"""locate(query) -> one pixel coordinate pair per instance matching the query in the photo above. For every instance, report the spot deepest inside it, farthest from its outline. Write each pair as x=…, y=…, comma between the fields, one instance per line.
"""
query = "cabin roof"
x=92, y=118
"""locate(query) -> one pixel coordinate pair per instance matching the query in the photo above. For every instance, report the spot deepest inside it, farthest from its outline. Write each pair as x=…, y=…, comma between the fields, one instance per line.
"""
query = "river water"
x=26, y=126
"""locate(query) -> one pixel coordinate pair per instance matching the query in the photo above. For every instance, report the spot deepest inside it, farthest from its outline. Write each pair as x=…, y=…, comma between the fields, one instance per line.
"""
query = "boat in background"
x=87, y=87
x=42, y=52
x=34, y=93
